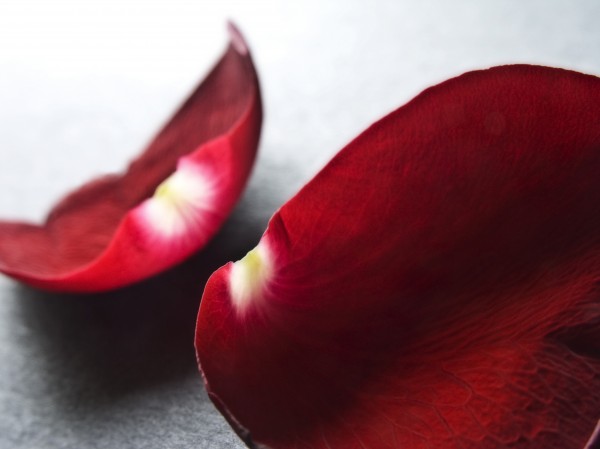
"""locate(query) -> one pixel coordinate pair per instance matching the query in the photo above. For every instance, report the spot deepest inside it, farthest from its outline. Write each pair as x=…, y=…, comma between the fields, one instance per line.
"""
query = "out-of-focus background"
x=85, y=84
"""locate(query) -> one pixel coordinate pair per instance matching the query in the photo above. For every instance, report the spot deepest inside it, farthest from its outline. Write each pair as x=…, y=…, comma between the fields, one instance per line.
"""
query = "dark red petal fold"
x=437, y=285
x=171, y=200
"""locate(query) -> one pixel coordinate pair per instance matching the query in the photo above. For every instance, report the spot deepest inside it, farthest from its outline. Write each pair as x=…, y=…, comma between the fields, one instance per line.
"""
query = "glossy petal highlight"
x=172, y=199
x=435, y=286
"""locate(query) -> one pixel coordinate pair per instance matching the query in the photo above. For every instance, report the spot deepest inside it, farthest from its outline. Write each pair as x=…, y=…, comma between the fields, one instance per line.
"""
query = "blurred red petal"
x=119, y=229
x=435, y=286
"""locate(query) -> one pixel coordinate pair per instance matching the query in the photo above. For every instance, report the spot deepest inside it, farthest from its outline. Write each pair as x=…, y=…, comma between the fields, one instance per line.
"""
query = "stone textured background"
x=83, y=85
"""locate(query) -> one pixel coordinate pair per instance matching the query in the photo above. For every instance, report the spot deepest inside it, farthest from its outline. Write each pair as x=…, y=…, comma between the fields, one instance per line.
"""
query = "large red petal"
x=113, y=231
x=435, y=286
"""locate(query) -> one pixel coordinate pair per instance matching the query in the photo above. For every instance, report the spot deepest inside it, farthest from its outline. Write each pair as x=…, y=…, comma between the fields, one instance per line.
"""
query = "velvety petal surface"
x=435, y=286
x=171, y=200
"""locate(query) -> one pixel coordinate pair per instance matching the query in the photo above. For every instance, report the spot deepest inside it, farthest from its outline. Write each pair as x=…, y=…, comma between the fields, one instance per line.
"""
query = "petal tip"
x=250, y=276
x=237, y=40
x=179, y=202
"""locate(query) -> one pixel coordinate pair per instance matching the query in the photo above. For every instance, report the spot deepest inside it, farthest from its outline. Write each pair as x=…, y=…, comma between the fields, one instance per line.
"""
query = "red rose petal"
x=435, y=286
x=117, y=230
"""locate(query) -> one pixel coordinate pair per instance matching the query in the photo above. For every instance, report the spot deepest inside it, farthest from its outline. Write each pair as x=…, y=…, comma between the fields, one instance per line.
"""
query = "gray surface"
x=82, y=87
